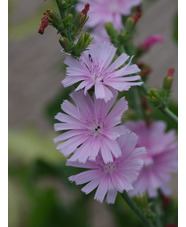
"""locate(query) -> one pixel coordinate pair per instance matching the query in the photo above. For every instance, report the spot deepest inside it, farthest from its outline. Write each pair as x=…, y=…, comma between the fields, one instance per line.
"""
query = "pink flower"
x=160, y=159
x=114, y=176
x=91, y=127
x=102, y=11
x=94, y=68
x=151, y=41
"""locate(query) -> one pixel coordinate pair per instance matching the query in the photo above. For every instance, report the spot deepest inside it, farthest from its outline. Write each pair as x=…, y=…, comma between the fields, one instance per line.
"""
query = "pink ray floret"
x=118, y=175
x=95, y=68
x=92, y=127
x=103, y=11
x=160, y=159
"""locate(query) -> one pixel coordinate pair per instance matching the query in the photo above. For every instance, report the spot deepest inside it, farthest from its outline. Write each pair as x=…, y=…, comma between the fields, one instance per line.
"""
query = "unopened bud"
x=138, y=14
x=83, y=15
x=129, y=24
x=154, y=97
x=64, y=43
x=111, y=31
x=168, y=80
x=171, y=72
x=44, y=22
x=151, y=41
x=86, y=9
x=68, y=20
x=83, y=42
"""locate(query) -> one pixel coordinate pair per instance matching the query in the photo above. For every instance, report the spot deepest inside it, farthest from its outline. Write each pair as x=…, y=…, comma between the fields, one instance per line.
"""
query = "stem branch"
x=137, y=211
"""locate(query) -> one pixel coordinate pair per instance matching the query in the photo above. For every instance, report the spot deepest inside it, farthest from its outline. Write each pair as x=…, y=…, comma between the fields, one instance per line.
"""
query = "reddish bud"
x=84, y=13
x=138, y=14
x=171, y=72
x=86, y=9
x=151, y=41
x=44, y=22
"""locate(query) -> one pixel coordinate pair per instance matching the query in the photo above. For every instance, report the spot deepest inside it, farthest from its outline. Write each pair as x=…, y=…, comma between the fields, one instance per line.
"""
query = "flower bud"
x=83, y=42
x=168, y=80
x=112, y=32
x=151, y=41
x=154, y=97
x=68, y=20
x=138, y=14
x=83, y=15
x=44, y=22
x=64, y=43
x=129, y=24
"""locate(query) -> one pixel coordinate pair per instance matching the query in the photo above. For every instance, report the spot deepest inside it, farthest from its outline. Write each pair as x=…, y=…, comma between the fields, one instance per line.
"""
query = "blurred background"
x=39, y=192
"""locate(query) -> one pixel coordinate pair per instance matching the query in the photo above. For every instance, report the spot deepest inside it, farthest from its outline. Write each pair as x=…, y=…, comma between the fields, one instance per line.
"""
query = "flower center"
x=97, y=72
x=96, y=130
x=148, y=161
x=110, y=167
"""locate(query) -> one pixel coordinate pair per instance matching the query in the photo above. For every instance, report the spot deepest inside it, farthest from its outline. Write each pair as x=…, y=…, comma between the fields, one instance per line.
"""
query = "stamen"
x=90, y=58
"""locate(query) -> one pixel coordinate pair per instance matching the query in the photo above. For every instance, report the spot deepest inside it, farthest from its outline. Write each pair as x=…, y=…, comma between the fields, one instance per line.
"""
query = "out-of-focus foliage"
x=40, y=194
x=29, y=26
x=175, y=28
x=30, y=145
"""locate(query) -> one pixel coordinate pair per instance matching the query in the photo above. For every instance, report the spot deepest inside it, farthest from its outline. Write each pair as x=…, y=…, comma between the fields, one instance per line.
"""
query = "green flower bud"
x=112, y=32
x=154, y=97
x=68, y=20
x=84, y=41
x=129, y=26
x=168, y=80
x=65, y=43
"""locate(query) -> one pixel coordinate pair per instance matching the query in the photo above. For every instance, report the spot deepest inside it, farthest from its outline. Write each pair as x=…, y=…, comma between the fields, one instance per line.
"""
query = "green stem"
x=137, y=211
x=157, y=213
x=136, y=101
x=60, y=9
x=63, y=14
x=169, y=114
x=165, y=110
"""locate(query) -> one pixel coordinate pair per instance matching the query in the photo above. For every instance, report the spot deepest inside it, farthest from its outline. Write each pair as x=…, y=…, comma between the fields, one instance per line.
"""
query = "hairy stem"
x=165, y=110
x=137, y=211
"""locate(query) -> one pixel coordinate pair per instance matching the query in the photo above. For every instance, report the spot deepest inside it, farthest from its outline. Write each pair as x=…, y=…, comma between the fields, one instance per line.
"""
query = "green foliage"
x=29, y=26
x=175, y=28
x=158, y=115
x=29, y=145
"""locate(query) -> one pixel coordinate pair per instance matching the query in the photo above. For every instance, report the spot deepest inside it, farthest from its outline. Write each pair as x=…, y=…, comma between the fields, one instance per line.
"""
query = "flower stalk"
x=146, y=221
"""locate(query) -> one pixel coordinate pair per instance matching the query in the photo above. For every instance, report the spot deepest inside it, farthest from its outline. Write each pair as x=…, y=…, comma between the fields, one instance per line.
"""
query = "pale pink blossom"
x=118, y=175
x=103, y=11
x=160, y=159
x=151, y=41
x=92, y=127
x=95, y=68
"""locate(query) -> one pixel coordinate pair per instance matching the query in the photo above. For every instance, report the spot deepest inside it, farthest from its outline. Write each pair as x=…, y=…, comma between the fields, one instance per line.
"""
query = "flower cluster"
x=114, y=176
x=134, y=157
